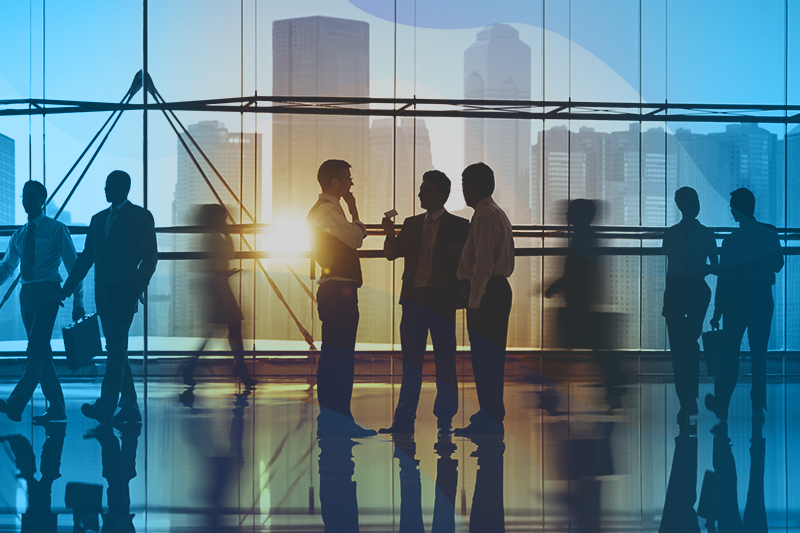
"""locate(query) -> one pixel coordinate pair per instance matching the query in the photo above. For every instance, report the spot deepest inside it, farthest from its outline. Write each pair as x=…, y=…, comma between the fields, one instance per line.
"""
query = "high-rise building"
x=497, y=66
x=317, y=56
x=7, y=171
x=237, y=157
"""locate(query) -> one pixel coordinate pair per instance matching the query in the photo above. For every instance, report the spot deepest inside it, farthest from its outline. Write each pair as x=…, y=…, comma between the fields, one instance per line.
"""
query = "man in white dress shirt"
x=487, y=261
x=334, y=244
x=39, y=246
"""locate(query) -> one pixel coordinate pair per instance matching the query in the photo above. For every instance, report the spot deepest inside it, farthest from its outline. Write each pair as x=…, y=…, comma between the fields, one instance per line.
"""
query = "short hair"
x=439, y=180
x=329, y=170
x=684, y=195
x=744, y=201
x=121, y=178
x=582, y=211
x=481, y=177
x=35, y=188
x=211, y=215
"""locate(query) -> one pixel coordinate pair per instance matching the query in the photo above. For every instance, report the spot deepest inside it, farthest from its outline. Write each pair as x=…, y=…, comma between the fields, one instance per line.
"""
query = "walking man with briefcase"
x=40, y=245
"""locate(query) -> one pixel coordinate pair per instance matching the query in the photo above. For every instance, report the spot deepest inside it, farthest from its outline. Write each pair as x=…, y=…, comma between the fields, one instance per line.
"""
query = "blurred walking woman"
x=219, y=302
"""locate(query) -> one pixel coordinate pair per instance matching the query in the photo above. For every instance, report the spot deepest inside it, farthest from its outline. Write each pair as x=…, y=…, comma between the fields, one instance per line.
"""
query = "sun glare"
x=288, y=235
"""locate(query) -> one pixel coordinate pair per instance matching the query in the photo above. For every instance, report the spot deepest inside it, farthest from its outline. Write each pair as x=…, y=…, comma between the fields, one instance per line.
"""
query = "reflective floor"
x=222, y=461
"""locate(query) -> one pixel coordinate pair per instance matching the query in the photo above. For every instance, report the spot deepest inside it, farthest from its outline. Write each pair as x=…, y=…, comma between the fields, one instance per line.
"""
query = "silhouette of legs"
x=39, y=320
x=338, y=311
x=118, y=384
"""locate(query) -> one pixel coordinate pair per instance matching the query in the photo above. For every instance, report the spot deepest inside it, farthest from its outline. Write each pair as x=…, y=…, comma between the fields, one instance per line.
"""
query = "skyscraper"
x=7, y=196
x=237, y=157
x=497, y=66
x=316, y=56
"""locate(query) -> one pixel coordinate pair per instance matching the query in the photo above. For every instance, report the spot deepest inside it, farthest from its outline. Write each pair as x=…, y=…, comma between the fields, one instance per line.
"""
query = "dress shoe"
x=126, y=416
x=397, y=429
x=244, y=376
x=445, y=429
x=711, y=403
x=13, y=416
x=479, y=429
x=349, y=430
x=49, y=416
x=90, y=411
x=720, y=429
x=188, y=376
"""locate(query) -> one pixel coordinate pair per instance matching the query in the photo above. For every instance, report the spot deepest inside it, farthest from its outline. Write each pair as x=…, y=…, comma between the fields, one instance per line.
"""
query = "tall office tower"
x=497, y=66
x=317, y=56
x=398, y=159
x=7, y=170
x=237, y=157
x=790, y=153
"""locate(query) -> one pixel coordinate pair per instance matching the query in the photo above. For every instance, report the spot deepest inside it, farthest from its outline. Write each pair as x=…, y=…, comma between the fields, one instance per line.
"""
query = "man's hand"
x=350, y=200
x=388, y=227
x=550, y=292
x=455, y=251
x=473, y=316
x=78, y=313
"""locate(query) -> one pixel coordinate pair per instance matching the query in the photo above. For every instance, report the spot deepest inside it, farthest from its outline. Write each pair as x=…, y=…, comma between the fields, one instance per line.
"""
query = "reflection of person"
x=121, y=244
x=405, y=450
x=582, y=288
x=723, y=510
x=691, y=252
x=39, y=518
x=749, y=259
x=338, y=498
x=119, y=468
x=430, y=296
x=334, y=243
x=755, y=510
x=220, y=305
x=40, y=245
x=679, y=514
x=444, y=502
x=487, y=514
x=487, y=261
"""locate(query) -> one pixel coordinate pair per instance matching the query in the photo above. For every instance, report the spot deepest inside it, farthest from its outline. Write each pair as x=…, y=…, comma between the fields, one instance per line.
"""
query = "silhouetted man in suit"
x=121, y=244
x=487, y=261
x=334, y=244
x=749, y=259
x=430, y=296
x=691, y=251
x=40, y=246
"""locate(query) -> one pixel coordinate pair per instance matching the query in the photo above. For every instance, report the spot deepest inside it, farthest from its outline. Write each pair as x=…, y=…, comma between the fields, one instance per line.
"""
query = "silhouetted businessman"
x=430, y=296
x=691, y=252
x=581, y=285
x=121, y=244
x=749, y=259
x=487, y=261
x=40, y=245
x=334, y=244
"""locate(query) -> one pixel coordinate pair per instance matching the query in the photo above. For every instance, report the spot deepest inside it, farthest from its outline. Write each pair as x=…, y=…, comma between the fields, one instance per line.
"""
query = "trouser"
x=487, y=341
x=337, y=304
x=685, y=304
x=752, y=312
x=419, y=317
x=117, y=385
x=39, y=305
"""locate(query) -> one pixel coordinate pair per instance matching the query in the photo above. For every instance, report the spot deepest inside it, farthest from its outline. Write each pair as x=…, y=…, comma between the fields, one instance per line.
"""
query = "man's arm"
x=10, y=261
x=484, y=259
x=394, y=245
x=66, y=248
x=329, y=219
x=148, y=251
x=81, y=266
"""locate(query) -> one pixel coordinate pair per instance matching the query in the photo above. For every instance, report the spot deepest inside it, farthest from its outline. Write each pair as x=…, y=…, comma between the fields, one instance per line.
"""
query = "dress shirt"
x=53, y=244
x=330, y=218
x=112, y=216
x=687, y=253
x=423, y=277
x=489, y=250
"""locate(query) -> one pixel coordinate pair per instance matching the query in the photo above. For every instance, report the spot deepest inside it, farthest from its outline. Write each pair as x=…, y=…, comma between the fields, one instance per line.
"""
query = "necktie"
x=110, y=220
x=423, y=263
x=28, y=253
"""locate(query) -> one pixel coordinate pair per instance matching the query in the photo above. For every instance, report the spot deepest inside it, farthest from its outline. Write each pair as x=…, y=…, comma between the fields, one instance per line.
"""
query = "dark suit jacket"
x=124, y=263
x=452, y=230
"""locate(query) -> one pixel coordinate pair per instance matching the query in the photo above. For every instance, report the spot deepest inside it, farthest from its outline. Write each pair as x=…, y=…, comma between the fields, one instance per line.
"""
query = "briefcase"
x=712, y=350
x=82, y=341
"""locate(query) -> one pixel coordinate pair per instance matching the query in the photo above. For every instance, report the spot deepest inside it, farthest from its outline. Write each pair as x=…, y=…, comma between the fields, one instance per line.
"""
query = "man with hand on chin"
x=487, y=261
x=121, y=244
x=40, y=246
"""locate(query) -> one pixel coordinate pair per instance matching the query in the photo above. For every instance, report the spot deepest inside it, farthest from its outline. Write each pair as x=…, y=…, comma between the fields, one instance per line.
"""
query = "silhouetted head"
x=212, y=216
x=743, y=204
x=334, y=177
x=687, y=201
x=434, y=190
x=34, y=195
x=118, y=185
x=581, y=212
x=477, y=182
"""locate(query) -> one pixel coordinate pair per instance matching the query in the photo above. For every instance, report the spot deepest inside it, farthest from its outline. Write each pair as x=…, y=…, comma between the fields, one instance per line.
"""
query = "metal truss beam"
x=421, y=107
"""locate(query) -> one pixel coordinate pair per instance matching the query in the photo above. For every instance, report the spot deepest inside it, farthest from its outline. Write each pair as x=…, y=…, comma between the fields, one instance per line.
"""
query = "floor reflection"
x=217, y=458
